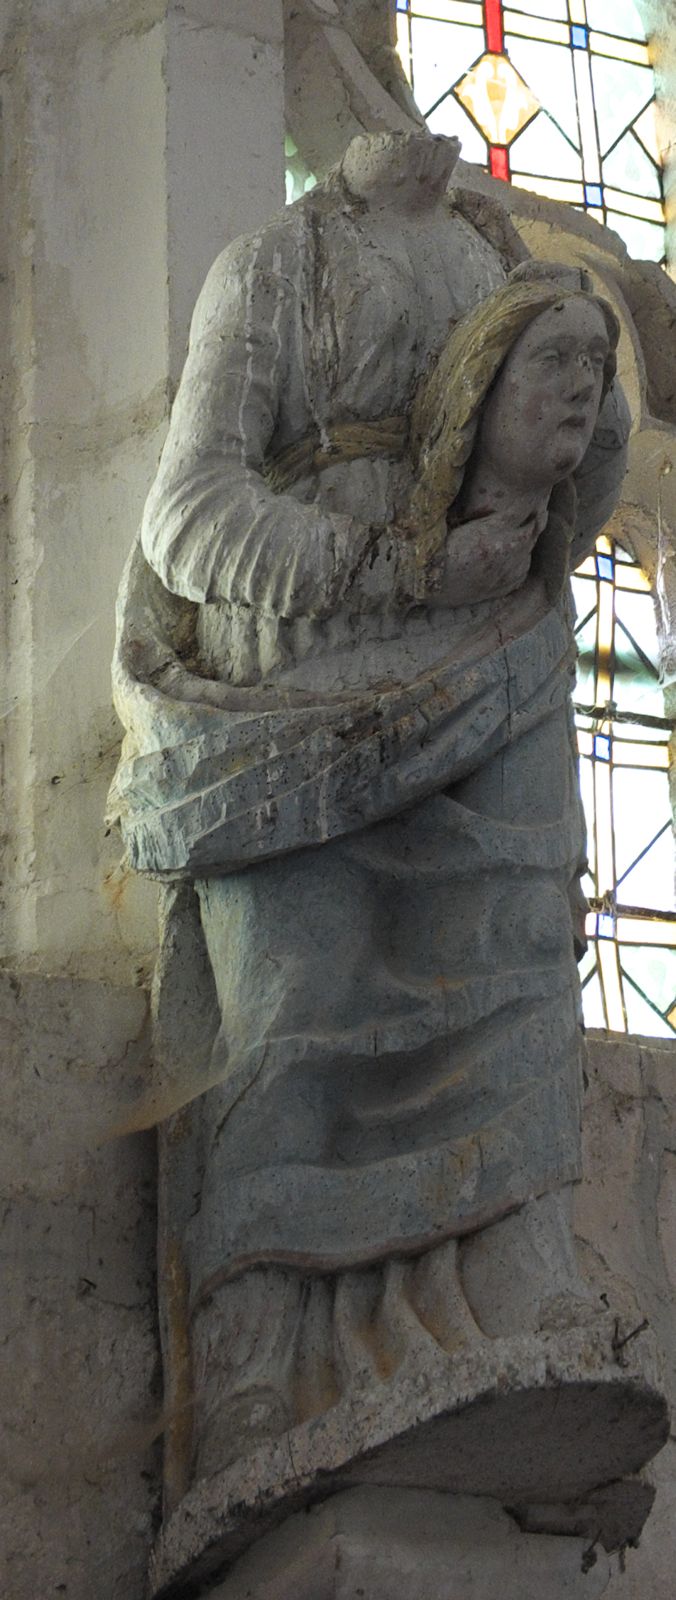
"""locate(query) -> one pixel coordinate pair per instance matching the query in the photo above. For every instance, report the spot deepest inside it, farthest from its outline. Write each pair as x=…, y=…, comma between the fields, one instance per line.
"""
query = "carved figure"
x=344, y=662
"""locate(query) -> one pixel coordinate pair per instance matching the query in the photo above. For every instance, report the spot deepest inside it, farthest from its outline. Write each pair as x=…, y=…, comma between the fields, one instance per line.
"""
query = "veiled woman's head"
x=517, y=389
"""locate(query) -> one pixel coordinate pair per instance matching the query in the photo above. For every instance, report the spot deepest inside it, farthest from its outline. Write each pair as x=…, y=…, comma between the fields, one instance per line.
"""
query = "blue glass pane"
x=629, y=168
x=542, y=150
x=621, y=90
x=548, y=71
x=616, y=16
x=593, y=195
x=449, y=118
x=604, y=564
x=602, y=747
x=578, y=37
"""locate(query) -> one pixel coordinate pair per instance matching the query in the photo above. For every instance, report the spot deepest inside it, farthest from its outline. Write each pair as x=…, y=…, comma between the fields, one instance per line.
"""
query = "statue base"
x=552, y=1427
x=412, y=1544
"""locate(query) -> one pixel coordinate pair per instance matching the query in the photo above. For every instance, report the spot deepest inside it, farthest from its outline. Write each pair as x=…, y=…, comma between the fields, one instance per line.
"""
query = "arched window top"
x=557, y=96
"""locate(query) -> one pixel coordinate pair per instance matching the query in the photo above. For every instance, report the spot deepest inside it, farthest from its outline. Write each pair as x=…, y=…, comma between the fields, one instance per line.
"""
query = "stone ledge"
x=545, y=1420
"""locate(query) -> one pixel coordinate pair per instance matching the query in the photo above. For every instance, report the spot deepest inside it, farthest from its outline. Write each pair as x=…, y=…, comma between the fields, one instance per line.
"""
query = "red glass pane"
x=493, y=25
x=499, y=162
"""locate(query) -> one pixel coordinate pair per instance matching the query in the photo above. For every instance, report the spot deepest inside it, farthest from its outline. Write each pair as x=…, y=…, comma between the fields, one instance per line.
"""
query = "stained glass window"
x=629, y=972
x=557, y=96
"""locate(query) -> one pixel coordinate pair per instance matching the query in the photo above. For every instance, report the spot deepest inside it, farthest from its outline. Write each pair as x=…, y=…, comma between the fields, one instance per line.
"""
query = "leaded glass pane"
x=644, y=240
x=621, y=91
x=542, y=8
x=549, y=68
x=450, y=119
x=442, y=52
x=628, y=167
x=642, y=1018
x=616, y=16
x=651, y=882
x=592, y=1002
x=542, y=148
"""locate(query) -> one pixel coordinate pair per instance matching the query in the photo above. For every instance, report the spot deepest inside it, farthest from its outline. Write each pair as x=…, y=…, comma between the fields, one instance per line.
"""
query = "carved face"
x=540, y=415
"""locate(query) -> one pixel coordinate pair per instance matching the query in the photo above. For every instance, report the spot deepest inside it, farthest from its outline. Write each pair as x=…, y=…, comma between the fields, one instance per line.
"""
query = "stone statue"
x=344, y=664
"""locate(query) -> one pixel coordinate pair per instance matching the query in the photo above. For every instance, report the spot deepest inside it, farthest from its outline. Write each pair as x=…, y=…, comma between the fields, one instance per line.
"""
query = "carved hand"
x=486, y=558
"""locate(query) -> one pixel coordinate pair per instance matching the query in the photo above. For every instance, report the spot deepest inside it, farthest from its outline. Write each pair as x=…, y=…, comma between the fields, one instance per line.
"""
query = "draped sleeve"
x=212, y=528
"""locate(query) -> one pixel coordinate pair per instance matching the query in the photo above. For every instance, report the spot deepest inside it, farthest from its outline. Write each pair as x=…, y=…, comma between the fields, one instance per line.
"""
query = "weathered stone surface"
x=381, y=1543
x=624, y=1220
x=541, y=1420
x=78, y=1354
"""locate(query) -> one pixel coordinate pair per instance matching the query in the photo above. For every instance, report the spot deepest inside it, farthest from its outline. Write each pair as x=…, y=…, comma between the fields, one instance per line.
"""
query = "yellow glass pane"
x=638, y=930
x=605, y=844
x=586, y=569
x=604, y=545
x=552, y=188
x=537, y=28
x=604, y=643
x=635, y=205
x=627, y=753
x=498, y=99
x=631, y=578
x=587, y=116
x=624, y=49
x=646, y=128
x=596, y=212
x=578, y=10
x=611, y=981
x=671, y=1016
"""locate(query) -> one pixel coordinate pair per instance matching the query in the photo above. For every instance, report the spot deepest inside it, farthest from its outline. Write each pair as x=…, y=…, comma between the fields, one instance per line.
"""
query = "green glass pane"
x=653, y=970
x=592, y=1004
x=555, y=10
x=637, y=612
x=548, y=71
x=449, y=118
x=587, y=792
x=644, y=240
x=641, y=1018
x=442, y=52
x=634, y=687
x=628, y=167
x=542, y=149
x=640, y=808
x=585, y=638
x=621, y=90
x=620, y=17
x=651, y=882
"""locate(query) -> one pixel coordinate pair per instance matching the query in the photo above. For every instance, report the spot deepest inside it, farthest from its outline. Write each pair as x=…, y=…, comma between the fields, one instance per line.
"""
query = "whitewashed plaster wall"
x=138, y=137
